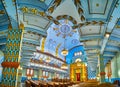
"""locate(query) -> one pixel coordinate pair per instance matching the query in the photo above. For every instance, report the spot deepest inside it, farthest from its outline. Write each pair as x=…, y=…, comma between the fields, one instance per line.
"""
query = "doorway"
x=77, y=76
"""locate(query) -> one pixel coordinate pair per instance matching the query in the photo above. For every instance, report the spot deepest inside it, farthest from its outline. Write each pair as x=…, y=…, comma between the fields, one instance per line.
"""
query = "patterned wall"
x=91, y=74
x=11, y=61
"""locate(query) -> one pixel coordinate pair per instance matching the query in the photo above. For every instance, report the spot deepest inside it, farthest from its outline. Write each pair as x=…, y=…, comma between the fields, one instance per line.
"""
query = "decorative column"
x=109, y=72
x=101, y=69
x=12, y=57
x=57, y=48
x=40, y=74
x=43, y=44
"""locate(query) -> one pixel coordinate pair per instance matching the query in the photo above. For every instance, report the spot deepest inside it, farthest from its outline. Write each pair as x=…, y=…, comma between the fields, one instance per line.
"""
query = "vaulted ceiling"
x=92, y=19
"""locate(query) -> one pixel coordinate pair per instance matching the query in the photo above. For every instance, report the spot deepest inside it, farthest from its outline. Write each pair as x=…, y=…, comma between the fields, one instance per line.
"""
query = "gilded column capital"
x=10, y=64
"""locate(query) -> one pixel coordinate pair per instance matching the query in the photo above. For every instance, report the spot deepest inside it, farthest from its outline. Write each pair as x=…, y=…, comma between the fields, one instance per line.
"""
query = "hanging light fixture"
x=48, y=59
x=64, y=65
x=64, y=52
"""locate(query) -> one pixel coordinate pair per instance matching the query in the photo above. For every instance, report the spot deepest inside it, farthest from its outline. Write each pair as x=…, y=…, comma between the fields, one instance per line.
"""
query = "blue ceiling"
x=56, y=34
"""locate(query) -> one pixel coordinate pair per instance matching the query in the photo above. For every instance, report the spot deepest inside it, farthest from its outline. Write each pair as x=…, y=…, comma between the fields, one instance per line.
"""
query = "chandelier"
x=64, y=52
x=48, y=60
x=64, y=65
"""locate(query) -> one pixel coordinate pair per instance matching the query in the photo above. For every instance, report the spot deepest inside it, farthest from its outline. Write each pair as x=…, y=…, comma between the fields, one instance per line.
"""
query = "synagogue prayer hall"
x=59, y=43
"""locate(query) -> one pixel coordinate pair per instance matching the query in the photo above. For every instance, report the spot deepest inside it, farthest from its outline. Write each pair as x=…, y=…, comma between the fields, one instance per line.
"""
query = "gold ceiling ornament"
x=42, y=13
x=81, y=24
x=13, y=0
x=67, y=17
x=74, y=22
x=70, y=18
x=51, y=9
x=58, y=34
x=117, y=26
x=34, y=11
x=74, y=30
x=24, y=9
x=55, y=4
x=76, y=2
x=82, y=18
x=56, y=22
x=48, y=59
x=80, y=10
x=101, y=22
x=97, y=4
x=59, y=17
x=10, y=27
x=50, y=17
x=2, y=12
x=57, y=48
x=74, y=27
x=21, y=26
x=87, y=23
x=42, y=0
x=55, y=28
x=64, y=35
x=94, y=22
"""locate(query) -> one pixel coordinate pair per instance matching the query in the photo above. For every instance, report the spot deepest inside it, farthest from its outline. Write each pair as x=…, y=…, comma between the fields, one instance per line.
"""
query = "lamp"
x=64, y=52
x=64, y=65
x=107, y=35
x=48, y=59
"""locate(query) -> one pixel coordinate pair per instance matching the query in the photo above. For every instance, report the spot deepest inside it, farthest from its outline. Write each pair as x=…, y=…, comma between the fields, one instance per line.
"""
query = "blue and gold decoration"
x=12, y=57
x=102, y=69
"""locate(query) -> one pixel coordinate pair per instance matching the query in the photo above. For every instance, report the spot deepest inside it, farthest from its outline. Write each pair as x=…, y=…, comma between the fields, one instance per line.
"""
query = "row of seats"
x=95, y=83
x=67, y=83
x=31, y=83
x=60, y=80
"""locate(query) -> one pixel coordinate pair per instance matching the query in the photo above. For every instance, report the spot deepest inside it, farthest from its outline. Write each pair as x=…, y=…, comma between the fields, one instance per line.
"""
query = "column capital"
x=10, y=64
x=21, y=26
x=102, y=73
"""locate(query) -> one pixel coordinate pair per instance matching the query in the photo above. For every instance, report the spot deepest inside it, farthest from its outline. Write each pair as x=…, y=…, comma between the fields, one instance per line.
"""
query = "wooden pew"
x=27, y=83
x=35, y=83
x=43, y=84
x=106, y=85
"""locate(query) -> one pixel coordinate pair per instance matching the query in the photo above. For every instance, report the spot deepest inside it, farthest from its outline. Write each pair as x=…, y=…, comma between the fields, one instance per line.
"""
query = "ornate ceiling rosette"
x=64, y=28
